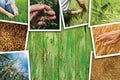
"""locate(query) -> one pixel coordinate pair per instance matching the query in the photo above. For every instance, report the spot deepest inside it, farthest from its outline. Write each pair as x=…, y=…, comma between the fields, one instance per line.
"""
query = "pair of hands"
x=41, y=14
x=112, y=37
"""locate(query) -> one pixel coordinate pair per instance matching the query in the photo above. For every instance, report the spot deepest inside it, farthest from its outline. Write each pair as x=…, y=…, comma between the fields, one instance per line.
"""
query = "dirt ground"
x=12, y=36
x=110, y=49
x=106, y=68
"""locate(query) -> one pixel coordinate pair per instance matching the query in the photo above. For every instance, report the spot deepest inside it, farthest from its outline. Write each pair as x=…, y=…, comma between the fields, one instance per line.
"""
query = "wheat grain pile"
x=110, y=49
x=105, y=69
x=12, y=36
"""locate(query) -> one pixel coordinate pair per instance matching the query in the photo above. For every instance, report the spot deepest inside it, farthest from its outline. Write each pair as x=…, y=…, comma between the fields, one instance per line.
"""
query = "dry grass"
x=105, y=69
x=12, y=36
x=110, y=49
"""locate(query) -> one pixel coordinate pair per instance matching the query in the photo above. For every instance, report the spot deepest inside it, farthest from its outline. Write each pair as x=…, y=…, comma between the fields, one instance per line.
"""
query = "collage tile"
x=104, y=68
x=44, y=15
x=74, y=13
x=14, y=65
x=106, y=40
x=103, y=12
x=12, y=11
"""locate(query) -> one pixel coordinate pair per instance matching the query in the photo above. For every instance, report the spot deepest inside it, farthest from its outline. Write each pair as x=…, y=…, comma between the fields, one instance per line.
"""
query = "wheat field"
x=12, y=36
x=105, y=69
x=110, y=49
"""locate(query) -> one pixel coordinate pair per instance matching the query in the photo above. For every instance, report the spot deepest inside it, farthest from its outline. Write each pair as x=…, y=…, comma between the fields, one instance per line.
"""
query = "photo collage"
x=51, y=35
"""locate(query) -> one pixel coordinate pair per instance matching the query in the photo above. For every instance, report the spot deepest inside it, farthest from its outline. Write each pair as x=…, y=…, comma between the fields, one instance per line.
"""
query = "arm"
x=14, y=8
x=6, y=12
x=82, y=5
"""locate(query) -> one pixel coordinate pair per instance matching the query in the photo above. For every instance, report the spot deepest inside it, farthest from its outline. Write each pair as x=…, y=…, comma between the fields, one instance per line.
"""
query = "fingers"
x=33, y=14
x=36, y=7
x=46, y=18
x=37, y=23
x=100, y=38
x=47, y=8
x=52, y=18
x=10, y=15
x=15, y=13
x=111, y=38
x=51, y=15
x=40, y=23
x=51, y=12
x=74, y=11
x=103, y=36
x=39, y=20
x=77, y=11
x=42, y=20
x=111, y=42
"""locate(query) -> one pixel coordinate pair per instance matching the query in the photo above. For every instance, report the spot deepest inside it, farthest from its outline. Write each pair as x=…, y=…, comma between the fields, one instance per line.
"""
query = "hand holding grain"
x=41, y=14
x=112, y=37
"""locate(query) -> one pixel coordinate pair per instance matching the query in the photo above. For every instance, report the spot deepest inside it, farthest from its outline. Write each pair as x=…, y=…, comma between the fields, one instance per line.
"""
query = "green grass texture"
x=105, y=11
x=60, y=55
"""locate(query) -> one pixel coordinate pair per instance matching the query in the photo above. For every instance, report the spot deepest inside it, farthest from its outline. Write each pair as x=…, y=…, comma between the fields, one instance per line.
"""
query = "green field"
x=72, y=20
x=60, y=55
x=22, y=6
x=105, y=11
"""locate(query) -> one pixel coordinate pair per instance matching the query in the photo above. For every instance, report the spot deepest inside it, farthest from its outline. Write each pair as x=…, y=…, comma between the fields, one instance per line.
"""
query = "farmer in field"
x=40, y=14
x=112, y=37
x=8, y=7
x=66, y=3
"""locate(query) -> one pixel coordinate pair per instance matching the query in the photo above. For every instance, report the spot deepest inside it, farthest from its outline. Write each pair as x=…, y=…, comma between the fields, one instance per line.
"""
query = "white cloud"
x=23, y=55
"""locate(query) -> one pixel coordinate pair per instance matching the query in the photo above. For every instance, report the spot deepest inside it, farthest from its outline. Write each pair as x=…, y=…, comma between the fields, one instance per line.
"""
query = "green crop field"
x=105, y=11
x=60, y=55
x=82, y=18
x=22, y=6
